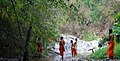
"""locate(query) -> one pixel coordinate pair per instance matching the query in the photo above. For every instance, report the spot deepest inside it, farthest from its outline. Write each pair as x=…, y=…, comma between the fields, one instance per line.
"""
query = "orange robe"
x=75, y=52
x=74, y=49
x=40, y=49
x=110, y=49
x=61, y=49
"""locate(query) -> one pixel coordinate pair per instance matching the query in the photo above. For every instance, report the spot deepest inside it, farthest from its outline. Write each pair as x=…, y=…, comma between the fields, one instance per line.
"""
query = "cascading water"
x=83, y=47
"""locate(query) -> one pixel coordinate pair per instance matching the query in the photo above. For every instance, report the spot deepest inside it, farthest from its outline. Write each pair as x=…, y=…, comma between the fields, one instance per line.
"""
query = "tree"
x=32, y=17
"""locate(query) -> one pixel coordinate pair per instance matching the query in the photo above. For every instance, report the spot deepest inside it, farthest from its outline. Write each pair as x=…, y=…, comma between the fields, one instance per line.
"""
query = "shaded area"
x=10, y=44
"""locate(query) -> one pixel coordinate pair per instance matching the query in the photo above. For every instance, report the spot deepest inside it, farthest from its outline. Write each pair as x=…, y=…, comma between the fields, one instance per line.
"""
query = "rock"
x=92, y=49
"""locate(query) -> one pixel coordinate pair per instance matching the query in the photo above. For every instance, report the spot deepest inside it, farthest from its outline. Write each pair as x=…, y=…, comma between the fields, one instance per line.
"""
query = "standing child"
x=75, y=48
x=40, y=48
x=61, y=47
x=110, y=51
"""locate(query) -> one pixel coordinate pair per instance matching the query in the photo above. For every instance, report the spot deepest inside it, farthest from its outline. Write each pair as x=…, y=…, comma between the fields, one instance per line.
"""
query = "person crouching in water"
x=110, y=51
x=61, y=47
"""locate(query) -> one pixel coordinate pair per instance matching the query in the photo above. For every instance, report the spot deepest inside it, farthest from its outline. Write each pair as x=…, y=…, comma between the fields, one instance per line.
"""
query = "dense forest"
x=22, y=22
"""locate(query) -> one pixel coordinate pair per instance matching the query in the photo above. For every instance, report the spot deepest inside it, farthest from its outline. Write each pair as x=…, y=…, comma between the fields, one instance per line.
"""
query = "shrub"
x=99, y=54
x=102, y=53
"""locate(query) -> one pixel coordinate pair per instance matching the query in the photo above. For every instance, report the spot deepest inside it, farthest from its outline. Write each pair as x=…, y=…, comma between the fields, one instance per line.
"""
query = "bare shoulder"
x=111, y=35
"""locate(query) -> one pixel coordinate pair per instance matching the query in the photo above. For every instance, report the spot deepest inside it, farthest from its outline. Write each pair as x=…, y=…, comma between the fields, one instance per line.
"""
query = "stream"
x=83, y=47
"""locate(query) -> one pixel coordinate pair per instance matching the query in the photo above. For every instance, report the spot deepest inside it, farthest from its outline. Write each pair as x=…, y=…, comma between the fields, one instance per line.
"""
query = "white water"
x=82, y=46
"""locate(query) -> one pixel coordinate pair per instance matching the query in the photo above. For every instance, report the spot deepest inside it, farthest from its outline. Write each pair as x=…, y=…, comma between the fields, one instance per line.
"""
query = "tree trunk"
x=17, y=19
x=25, y=58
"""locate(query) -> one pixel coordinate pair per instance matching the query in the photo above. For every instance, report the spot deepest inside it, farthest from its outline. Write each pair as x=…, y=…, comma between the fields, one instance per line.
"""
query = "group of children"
x=110, y=51
x=73, y=47
x=61, y=47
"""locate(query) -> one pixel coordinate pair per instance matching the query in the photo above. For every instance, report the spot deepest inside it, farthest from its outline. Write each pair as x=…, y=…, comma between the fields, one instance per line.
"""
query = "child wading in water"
x=61, y=47
x=74, y=48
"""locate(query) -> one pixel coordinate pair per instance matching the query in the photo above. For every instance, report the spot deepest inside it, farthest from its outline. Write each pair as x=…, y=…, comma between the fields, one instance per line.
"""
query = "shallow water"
x=82, y=47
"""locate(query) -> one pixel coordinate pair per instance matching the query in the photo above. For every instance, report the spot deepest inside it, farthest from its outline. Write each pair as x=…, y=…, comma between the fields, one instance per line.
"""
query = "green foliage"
x=45, y=17
x=118, y=17
x=86, y=12
x=116, y=27
x=116, y=30
x=116, y=51
x=102, y=53
x=10, y=44
x=33, y=49
x=24, y=14
x=89, y=36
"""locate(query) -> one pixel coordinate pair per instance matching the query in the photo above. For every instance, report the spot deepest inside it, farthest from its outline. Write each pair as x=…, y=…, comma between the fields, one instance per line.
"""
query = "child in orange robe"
x=61, y=47
x=110, y=51
x=40, y=49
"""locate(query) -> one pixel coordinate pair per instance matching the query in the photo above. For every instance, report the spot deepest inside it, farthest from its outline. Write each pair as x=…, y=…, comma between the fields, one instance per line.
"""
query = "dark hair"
x=110, y=31
x=75, y=42
x=75, y=39
x=39, y=38
x=71, y=41
x=61, y=38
